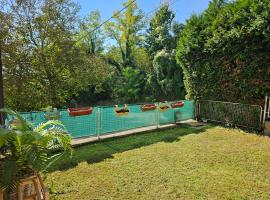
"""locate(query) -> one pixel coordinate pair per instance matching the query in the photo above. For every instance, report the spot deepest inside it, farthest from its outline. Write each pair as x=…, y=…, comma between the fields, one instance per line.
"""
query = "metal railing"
x=229, y=113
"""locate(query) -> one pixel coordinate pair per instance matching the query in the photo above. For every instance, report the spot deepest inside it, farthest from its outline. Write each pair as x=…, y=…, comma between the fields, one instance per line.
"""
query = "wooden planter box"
x=80, y=111
x=178, y=104
x=163, y=108
x=30, y=188
x=148, y=107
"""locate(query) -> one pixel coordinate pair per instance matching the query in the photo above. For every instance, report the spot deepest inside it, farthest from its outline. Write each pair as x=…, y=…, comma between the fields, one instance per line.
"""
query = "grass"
x=180, y=163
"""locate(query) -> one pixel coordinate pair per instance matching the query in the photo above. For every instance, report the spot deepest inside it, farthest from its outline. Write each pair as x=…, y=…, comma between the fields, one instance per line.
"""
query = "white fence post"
x=157, y=115
x=99, y=123
x=265, y=110
x=268, y=107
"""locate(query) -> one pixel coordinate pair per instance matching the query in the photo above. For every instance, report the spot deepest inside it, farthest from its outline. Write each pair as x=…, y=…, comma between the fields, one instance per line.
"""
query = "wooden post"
x=37, y=191
x=1, y=194
x=31, y=188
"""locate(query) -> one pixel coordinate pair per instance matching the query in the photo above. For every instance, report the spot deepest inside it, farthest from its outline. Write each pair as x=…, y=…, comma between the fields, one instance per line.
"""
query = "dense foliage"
x=50, y=55
x=161, y=43
x=224, y=52
x=43, y=64
x=129, y=86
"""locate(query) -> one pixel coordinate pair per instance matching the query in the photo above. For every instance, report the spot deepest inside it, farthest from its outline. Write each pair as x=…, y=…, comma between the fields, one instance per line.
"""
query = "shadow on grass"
x=99, y=151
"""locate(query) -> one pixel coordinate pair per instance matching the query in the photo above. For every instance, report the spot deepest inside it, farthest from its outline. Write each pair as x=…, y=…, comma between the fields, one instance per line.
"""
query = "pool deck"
x=86, y=140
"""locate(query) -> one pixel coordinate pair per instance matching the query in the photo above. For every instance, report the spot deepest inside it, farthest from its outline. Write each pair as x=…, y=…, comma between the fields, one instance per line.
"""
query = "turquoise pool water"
x=87, y=125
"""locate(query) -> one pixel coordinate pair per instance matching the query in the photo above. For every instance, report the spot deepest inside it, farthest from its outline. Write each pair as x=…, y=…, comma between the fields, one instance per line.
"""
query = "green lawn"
x=180, y=163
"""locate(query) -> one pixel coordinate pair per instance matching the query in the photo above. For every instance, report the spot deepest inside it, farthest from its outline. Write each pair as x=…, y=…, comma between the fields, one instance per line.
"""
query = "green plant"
x=25, y=149
x=224, y=52
x=47, y=109
x=128, y=89
x=166, y=79
x=51, y=113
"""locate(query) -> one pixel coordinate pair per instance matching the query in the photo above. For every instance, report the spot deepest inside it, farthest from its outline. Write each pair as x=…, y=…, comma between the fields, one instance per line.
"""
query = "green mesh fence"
x=231, y=113
x=104, y=120
x=110, y=122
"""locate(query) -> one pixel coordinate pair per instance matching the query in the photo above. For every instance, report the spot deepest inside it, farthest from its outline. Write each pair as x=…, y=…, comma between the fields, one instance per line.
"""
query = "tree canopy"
x=45, y=65
x=50, y=54
x=161, y=40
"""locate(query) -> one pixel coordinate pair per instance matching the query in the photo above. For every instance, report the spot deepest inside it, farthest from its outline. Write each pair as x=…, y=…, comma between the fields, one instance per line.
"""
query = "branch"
x=115, y=64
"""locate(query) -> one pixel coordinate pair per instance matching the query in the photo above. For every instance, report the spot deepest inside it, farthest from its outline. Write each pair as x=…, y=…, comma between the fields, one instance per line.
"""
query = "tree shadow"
x=99, y=151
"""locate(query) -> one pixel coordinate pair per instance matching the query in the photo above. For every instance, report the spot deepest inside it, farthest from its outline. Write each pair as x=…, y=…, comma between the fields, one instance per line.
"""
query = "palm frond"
x=26, y=148
x=9, y=175
x=6, y=136
x=49, y=124
x=24, y=125
x=36, y=157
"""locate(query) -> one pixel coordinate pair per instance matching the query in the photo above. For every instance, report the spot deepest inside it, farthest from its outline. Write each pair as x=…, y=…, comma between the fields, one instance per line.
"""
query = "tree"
x=158, y=34
x=142, y=60
x=89, y=37
x=47, y=66
x=127, y=56
x=129, y=87
x=126, y=31
x=161, y=44
x=168, y=74
x=3, y=36
x=42, y=31
x=1, y=86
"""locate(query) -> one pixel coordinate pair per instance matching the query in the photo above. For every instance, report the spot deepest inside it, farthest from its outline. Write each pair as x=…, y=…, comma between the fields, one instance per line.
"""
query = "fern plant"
x=25, y=149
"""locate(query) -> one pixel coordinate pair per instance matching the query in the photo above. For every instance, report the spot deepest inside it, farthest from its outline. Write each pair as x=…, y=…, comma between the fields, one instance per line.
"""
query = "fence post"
x=99, y=123
x=261, y=119
x=268, y=107
x=157, y=115
x=197, y=109
x=265, y=110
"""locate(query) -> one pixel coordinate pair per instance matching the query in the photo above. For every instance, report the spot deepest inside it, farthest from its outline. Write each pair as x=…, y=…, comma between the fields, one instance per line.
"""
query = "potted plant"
x=51, y=113
x=27, y=151
x=163, y=106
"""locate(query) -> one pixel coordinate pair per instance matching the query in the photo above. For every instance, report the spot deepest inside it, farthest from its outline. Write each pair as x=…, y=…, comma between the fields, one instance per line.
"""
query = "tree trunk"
x=1, y=87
